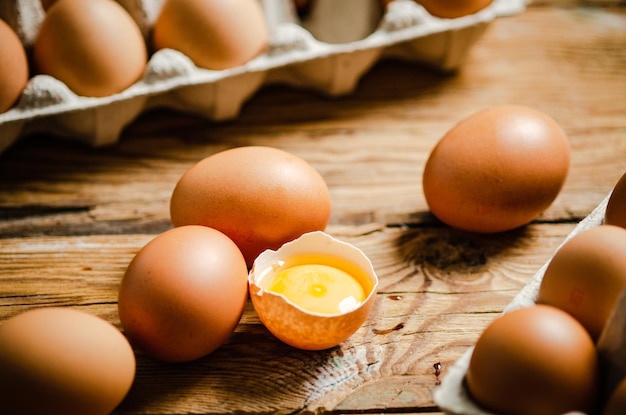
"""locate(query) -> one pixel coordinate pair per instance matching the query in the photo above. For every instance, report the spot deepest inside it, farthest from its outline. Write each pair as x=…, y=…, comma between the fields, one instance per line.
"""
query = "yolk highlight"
x=319, y=288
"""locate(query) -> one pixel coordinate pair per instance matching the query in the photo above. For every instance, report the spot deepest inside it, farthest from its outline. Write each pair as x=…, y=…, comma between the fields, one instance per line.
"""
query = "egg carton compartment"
x=328, y=51
x=452, y=395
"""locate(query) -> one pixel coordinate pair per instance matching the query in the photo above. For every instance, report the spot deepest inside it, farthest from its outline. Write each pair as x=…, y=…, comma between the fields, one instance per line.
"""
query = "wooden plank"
x=72, y=217
x=372, y=162
x=430, y=307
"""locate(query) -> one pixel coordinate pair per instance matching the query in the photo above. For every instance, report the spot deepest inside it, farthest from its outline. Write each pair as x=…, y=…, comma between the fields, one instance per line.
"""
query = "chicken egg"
x=260, y=197
x=586, y=276
x=314, y=292
x=450, y=9
x=615, y=213
x=62, y=361
x=93, y=46
x=497, y=169
x=13, y=67
x=534, y=360
x=214, y=34
x=183, y=293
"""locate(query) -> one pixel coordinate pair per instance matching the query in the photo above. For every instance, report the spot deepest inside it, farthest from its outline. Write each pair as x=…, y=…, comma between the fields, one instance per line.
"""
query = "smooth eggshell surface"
x=260, y=197
x=450, y=9
x=62, y=361
x=535, y=360
x=183, y=293
x=93, y=46
x=587, y=275
x=214, y=34
x=13, y=67
x=497, y=169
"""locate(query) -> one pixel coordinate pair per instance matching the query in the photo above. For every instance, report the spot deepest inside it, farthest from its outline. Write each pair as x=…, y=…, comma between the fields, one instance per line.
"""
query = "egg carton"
x=452, y=396
x=329, y=51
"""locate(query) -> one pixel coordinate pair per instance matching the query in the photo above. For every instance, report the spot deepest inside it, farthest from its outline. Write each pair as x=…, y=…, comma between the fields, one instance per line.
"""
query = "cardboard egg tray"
x=328, y=51
x=452, y=396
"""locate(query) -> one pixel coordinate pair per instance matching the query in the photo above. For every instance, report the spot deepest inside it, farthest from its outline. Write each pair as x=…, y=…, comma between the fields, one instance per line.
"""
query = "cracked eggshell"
x=289, y=322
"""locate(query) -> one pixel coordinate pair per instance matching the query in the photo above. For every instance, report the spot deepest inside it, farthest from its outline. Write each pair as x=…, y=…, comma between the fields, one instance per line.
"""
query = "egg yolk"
x=319, y=288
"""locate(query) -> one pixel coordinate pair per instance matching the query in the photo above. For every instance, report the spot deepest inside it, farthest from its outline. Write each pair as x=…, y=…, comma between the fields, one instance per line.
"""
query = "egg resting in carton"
x=452, y=395
x=328, y=52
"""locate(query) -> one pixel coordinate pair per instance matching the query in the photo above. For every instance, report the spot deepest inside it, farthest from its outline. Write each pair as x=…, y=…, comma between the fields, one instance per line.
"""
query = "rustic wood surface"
x=72, y=217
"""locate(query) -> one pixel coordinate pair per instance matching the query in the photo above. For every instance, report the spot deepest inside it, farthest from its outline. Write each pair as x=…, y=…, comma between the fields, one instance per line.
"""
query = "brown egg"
x=587, y=275
x=616, y=404
x=535, y=360
x=261, y=197
x=183, y=294
x=616, y=206
x=13, y=67
x=214, y=34
x=319, y=308
x=93, y=46
x=453, y=8
x=496, y=170
x=62, y=361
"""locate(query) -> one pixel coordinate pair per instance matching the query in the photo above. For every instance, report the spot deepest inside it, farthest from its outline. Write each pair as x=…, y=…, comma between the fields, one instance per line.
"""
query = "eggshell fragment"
x=183, y=294
x=62, y=361
x=294, y=325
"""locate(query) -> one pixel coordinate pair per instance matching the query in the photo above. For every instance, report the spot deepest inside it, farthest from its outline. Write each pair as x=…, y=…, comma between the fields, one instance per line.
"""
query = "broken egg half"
x=313, y=292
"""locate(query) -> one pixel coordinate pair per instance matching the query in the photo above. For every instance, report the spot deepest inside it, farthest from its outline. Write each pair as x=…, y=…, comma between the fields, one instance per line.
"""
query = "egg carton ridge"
x=328, y=52
x=452, y=395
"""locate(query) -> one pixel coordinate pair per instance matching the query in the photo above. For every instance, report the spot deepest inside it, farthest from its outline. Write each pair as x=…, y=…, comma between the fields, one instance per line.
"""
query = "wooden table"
x=73, y=216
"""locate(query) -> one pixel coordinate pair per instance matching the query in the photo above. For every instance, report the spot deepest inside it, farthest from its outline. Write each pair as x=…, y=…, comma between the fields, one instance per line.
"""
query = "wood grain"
x=428, y=309
x=72, y=217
